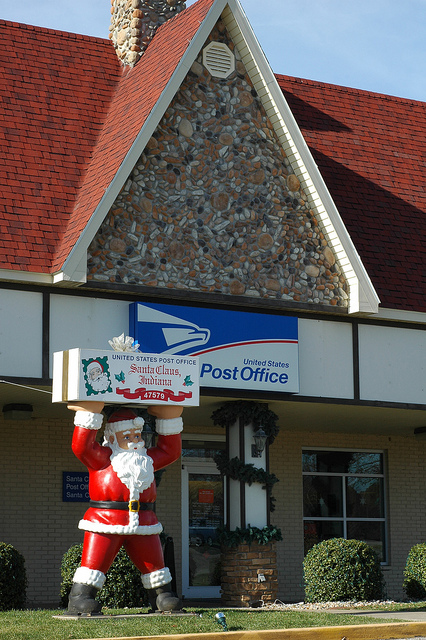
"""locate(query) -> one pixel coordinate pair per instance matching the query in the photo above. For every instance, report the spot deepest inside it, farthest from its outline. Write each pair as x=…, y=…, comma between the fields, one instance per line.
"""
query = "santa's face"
x=101, y=383
x=95, y=373
x=130, y=439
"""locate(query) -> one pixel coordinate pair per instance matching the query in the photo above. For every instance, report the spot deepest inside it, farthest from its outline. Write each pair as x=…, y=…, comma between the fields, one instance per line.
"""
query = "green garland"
x=238, y=470
x=256, y=413
x=239, y=536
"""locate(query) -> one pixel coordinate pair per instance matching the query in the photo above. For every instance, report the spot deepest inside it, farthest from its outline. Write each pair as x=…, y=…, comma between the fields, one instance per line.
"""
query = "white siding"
x=85, y=322
x=325, y=359
x=21, y=330
x=392, y=364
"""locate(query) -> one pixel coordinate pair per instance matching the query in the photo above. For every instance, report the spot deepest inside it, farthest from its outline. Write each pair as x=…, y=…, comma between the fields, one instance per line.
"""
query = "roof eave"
x=27, y=277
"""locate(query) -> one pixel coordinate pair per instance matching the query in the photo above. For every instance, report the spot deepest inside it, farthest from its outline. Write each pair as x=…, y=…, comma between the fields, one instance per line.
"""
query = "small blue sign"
x=236, y=350
x=75, y=486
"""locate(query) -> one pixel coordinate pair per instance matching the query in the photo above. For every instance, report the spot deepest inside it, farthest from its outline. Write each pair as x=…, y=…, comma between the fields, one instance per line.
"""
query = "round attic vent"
x=218, y=60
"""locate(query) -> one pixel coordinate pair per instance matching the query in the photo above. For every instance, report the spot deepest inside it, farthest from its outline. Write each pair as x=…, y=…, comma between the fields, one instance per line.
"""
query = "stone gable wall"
x=213, y=205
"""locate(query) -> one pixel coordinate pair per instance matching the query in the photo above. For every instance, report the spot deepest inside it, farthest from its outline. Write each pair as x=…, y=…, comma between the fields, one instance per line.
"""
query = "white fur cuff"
x=88, y=420
x=169, y=427
x=92, y=577
x=156, y=578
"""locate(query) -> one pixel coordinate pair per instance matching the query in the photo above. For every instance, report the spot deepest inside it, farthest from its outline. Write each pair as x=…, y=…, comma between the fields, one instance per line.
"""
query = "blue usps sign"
x=75, y=486
x=236, y=350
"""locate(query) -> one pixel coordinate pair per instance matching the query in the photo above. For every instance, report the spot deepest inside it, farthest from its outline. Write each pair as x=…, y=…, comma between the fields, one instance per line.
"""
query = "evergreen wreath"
x=256, y=413
x=239, y=536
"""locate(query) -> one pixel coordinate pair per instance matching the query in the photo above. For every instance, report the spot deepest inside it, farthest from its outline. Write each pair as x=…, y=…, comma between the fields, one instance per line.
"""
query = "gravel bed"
x=323, y=606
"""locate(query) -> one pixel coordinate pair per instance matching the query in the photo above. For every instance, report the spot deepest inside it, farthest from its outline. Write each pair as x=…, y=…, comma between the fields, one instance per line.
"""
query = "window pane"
x=197, y=449
x=205, y=516
x=364, y=497
x=309, y=461
x=362, y=462
x=322, y=496
x=342, y=462
x=315, y=532
x=373, y=533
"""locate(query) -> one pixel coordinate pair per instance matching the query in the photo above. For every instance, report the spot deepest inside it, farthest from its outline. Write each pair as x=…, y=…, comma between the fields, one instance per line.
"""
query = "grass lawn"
x=41, y=625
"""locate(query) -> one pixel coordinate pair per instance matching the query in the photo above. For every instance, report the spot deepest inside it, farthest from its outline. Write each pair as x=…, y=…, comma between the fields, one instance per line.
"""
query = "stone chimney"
x=134, y=22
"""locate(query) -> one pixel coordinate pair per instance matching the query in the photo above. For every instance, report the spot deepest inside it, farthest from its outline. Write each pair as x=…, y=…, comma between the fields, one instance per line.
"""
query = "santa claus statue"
x=122, y=493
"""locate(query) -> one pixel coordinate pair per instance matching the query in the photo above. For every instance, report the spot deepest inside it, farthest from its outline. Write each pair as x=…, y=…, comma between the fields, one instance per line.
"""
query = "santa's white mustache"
x=136, y=446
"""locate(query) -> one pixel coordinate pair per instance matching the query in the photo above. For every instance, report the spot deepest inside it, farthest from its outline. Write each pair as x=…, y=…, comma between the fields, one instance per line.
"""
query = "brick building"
x=274, y=224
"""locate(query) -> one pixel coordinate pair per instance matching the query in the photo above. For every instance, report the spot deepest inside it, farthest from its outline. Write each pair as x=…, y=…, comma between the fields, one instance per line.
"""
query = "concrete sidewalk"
x=409, y=615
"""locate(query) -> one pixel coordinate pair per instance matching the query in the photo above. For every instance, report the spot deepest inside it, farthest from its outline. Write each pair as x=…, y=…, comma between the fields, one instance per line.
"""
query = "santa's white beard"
x=134, y=468
x=101, y=383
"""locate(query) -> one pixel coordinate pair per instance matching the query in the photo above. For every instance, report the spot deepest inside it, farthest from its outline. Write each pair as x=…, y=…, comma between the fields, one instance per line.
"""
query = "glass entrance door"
x=202, y=513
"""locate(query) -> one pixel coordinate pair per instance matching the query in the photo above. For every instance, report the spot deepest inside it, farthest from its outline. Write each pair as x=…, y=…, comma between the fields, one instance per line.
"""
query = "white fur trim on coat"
x=170, y=427
x=92, y=577
x=129, y=529
x=88, y=420
x=156, y=578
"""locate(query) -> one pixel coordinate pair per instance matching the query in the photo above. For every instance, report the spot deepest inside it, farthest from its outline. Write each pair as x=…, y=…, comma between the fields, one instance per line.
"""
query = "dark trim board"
x=309, y=312
x=260, y=395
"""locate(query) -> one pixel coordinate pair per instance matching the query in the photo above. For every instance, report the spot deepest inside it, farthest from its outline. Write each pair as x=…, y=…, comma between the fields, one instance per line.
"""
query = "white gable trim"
x=362, y=295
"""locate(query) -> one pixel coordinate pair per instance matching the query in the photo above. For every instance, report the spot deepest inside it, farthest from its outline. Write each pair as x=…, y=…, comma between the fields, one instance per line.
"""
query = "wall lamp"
x=17, y=411
x=260, y=439
x=148, y=436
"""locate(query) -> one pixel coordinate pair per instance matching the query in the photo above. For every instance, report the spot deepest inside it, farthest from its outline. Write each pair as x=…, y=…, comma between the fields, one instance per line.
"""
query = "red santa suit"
x=120, y=515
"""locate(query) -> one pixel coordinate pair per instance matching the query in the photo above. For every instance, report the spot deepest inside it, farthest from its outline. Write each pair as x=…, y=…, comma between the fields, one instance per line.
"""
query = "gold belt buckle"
x=134, y=506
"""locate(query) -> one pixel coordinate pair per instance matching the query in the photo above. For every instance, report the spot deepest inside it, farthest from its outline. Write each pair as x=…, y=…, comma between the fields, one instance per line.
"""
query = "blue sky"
x=377, y=45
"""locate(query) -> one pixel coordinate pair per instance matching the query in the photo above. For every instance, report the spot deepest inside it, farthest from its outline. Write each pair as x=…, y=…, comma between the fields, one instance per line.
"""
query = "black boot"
x=162, y=599
x=82, y=599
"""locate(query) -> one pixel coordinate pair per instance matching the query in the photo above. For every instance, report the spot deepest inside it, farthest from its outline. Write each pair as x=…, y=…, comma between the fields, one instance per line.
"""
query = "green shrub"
x=13, y=578
x=415, y=573
x=123, y=585
x=340, y=569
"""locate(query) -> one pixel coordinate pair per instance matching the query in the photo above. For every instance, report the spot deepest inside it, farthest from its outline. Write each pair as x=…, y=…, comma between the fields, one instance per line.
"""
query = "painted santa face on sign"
x=130, y=439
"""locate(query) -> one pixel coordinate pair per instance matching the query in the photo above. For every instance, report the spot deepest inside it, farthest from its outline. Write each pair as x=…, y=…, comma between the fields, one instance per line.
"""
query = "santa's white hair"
x=123, y=420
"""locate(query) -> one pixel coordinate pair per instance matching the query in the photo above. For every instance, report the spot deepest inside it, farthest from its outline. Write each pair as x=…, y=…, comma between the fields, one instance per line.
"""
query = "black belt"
x=133, y=505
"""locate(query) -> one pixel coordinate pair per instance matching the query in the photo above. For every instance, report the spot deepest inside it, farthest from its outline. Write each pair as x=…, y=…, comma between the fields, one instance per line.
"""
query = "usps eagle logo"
x=168, y=333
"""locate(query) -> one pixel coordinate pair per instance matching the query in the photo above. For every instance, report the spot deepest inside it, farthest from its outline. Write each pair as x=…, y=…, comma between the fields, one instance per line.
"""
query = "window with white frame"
x=344, y=497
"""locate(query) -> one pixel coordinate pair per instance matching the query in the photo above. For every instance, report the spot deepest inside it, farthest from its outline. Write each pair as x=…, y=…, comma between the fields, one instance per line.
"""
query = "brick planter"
x=241, y=568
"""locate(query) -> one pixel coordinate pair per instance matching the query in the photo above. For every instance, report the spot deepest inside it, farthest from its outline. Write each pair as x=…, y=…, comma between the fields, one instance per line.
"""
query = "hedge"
x=340, y=569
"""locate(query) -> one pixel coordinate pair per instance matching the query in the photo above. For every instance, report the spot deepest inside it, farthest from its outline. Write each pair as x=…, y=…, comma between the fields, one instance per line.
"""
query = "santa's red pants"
x=100, y=549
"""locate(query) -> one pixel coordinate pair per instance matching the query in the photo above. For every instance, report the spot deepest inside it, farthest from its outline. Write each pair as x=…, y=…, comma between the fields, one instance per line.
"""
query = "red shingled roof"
x=55, y=90
x=370, y=149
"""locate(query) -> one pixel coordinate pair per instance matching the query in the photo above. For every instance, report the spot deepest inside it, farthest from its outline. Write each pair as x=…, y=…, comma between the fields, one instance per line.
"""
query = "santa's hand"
x=165, y=411
x=91, y=405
